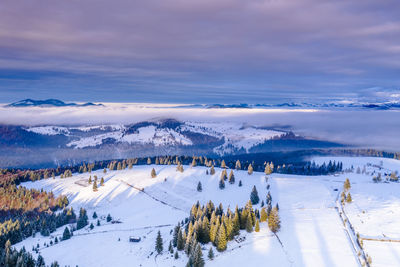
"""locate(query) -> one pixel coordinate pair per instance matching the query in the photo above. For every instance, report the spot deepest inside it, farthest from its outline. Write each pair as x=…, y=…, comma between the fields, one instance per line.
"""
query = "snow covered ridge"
x=227, y=137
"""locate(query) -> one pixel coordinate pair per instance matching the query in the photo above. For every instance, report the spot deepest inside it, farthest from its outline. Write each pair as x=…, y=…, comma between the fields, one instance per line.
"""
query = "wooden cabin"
x=134, y=239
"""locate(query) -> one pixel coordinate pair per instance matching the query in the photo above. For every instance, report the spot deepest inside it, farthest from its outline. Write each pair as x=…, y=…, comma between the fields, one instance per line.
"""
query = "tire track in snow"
x=151, y=196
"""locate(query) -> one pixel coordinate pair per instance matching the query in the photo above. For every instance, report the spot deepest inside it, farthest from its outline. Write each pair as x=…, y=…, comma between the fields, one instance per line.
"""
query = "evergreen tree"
x=90, y=179
x=267, y=170
x=102, y=181
x=346, y=184
x=211, y=254
x=199, y=187
x=223, y=165
x=91, y=226
x=274, y=222
x=224, y=175
x=212, y=170
x=240, y=183
x=105, y=171
x=109, y=218
x=159, y=243
x=198, y=260
x=238, y=166
x=153, y=173
x=221, y=183
x=250, y=170
x=175, y=235
x=94, y=215
x=194, y=164
x=66, y=234
x=221, y=237
x=82, y=220
x=257, y=227
x=249, y=224
x=94, y=186
x=98, y=222
x=348, y=198
x=263, y=215
x=180, y=242
x=231, y=177
x=148, y=161
x=176, y=256
x=254, y=196
x=170, y=248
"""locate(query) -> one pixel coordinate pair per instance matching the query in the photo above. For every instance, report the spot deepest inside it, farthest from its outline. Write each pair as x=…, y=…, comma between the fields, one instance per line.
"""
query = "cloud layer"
x=372, y=129
x=198, y=51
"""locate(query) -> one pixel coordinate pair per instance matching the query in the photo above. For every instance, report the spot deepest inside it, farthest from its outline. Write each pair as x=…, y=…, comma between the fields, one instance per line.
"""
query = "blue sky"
x=227, y=51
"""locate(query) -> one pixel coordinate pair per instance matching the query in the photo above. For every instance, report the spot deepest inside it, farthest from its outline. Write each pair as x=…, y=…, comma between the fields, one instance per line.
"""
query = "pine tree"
x=90, y=179
x=224, y=175
x=105, y=171
x=198, y=260
x=221, y=237
x=98, y=222
x=199, y=187
x=346, y=185
x=212, y=170
x=254, y=196
x=257, y=228
x=238, y=166
x=153, y=173
x=231, y=177
x=263, y=215
x=180, y=241
x=221, y=183
x=94, y=186
x=170, y=248
x=223, y=165
x=66, y=234
x=274, y=222
x=250, y=170
x=176, y=256
x=211, y=254
x=102, y=181
x=91, y=226
x=148, y=161
x=267, y=170
x=348, y=198
x=194, y=164
x=175, y=235
x=94, y=215
x=159, y=243
x=109, y=218
x=249, y=224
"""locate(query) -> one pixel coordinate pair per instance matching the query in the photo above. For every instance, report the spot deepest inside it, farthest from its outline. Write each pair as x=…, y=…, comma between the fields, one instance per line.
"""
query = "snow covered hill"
x=312, y=232
x=223, y=139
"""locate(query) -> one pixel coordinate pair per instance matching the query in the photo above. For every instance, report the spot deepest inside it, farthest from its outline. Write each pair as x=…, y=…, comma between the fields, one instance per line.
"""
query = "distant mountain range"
x=48, y=103
x=50, y=143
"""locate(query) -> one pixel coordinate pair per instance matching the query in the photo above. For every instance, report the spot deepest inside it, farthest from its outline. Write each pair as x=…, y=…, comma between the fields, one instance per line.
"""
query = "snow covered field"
x=312, y=233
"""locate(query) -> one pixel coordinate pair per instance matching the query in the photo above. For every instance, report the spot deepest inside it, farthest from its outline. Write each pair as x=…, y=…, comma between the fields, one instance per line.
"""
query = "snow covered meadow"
x=312, y=232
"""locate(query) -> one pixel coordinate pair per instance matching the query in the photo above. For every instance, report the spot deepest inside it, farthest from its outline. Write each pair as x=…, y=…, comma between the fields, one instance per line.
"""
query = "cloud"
x=344, y=126
x=239, y=50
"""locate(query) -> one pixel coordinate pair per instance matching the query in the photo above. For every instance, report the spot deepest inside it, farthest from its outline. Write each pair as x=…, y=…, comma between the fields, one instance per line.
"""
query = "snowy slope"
x=375, y=210
x=312, y=233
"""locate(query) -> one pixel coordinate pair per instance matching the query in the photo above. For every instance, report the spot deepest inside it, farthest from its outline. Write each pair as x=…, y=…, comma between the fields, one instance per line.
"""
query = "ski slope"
x=312, y=233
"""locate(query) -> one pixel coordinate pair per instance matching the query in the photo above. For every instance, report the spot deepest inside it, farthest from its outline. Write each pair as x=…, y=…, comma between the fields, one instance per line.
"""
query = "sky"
x=185, y=51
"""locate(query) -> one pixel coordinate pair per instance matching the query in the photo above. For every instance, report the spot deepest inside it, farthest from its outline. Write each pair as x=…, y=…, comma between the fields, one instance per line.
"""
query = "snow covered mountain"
x=222, y=138
x=48, y=103
x=52, y=145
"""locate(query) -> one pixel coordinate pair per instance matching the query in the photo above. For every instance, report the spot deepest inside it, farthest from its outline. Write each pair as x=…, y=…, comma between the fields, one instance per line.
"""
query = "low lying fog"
x=369, y=128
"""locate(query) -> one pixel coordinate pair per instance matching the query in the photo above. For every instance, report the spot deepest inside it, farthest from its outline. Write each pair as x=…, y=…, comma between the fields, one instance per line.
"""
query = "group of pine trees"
x=346, y=196
x=212, y=224
x=10, y=257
